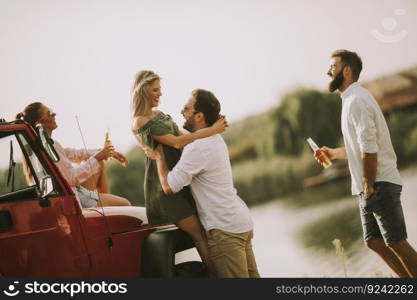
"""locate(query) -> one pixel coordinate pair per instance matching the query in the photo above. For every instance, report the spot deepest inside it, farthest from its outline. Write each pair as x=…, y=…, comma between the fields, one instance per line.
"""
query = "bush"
x=262, y=180
x=19, y=180
x=403, y=128
x=128, y=181
x=306, y=113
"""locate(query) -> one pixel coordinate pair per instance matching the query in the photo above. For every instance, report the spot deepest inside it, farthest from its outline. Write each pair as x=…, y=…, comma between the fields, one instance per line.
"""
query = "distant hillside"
x=395, y=91
x=283, y=129
x=250, y=138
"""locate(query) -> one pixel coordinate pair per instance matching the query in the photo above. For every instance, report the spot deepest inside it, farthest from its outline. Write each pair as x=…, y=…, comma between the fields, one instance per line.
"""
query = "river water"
x=296, y=241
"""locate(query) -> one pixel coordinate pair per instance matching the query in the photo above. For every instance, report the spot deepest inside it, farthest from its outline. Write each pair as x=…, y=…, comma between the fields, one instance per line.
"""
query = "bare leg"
x=407, y=255
x=92, y=183
x=378, y=246
x=103, y=181
x=112, y=200
x=99, y=181
x=192, y=226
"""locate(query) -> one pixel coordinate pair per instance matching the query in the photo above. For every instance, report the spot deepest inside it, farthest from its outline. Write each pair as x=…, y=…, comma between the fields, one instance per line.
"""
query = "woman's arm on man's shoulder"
x=185, y=138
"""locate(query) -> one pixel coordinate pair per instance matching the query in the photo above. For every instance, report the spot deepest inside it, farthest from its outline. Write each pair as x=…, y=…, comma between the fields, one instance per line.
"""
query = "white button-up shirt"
x=85, y=164
x=205, y=164
x=365, y=131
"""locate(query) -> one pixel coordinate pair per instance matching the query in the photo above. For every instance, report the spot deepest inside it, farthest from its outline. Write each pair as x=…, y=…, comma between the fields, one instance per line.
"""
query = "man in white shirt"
x=205, y=165
x=372, y=164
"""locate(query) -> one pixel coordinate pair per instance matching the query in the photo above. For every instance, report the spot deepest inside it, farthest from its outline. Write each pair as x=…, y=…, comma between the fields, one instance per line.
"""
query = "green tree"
x=128, y=181
x=402, y=124
x=306, y=113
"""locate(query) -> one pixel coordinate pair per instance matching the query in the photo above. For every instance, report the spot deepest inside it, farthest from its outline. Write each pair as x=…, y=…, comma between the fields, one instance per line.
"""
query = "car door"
x=39, y=235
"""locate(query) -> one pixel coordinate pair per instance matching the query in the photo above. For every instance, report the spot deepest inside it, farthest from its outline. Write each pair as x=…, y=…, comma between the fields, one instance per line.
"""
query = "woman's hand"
x=121, y=158
x=104, y=153
x=220, y=125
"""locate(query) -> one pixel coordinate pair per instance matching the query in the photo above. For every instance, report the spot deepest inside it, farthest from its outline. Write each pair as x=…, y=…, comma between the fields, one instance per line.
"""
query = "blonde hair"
x=140, y=92
x=30, y=180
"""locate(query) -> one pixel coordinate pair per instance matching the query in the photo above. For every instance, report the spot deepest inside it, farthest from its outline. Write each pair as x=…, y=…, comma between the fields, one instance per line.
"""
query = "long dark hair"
x=31, y=114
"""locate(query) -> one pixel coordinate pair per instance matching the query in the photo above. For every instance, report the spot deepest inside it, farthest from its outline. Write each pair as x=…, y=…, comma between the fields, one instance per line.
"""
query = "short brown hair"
x=350, y=59
x=208, y=104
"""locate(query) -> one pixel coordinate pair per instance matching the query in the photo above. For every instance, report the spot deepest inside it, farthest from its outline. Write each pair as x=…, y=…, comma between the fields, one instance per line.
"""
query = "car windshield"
x=38, y=170
x=11, y=168
x=47, y=144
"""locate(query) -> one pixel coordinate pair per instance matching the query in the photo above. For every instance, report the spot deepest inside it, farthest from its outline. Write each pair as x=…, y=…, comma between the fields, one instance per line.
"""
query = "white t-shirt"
x=205, y=165
x=365, y=131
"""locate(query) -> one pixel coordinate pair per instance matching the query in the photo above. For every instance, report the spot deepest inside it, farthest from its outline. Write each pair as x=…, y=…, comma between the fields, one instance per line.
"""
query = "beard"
x=189, y=125
x=336, y=82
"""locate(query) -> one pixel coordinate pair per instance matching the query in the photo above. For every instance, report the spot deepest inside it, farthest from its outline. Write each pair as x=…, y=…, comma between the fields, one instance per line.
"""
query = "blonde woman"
x=152, y=127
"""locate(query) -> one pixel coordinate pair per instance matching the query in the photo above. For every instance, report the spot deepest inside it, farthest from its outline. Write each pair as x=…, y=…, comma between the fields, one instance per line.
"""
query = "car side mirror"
x=46, y=188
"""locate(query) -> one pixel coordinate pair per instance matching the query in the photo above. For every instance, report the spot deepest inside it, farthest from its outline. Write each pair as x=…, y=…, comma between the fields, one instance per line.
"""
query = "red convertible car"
x=45, y=233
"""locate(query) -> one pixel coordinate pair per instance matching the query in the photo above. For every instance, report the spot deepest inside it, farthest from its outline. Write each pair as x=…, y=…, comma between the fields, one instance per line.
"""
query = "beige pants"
x=231, y=254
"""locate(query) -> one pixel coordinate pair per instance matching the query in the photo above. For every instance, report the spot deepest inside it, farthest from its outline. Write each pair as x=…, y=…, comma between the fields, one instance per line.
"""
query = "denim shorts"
x=87, y=198
x=382, y=214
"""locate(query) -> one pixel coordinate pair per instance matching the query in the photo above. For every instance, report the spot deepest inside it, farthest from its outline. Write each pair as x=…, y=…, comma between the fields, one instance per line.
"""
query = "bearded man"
x=372, y=164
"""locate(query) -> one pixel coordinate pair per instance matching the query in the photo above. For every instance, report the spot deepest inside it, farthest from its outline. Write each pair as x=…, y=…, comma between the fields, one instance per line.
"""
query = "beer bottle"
x=325, y=162
x=107, y=141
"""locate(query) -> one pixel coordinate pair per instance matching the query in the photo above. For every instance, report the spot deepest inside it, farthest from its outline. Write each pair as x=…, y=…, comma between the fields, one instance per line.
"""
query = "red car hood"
x=119, y=218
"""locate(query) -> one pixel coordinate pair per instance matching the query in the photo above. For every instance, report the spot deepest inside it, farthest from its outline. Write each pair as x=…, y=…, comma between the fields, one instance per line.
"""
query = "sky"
x=79, y=57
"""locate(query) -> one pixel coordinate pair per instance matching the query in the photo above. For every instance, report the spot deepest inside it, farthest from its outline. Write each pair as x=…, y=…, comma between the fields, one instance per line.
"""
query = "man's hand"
x=367, y=190
x=323, y=153
x=153, y=154
x=331, y=153
x=121, y=158
x=158, y=156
